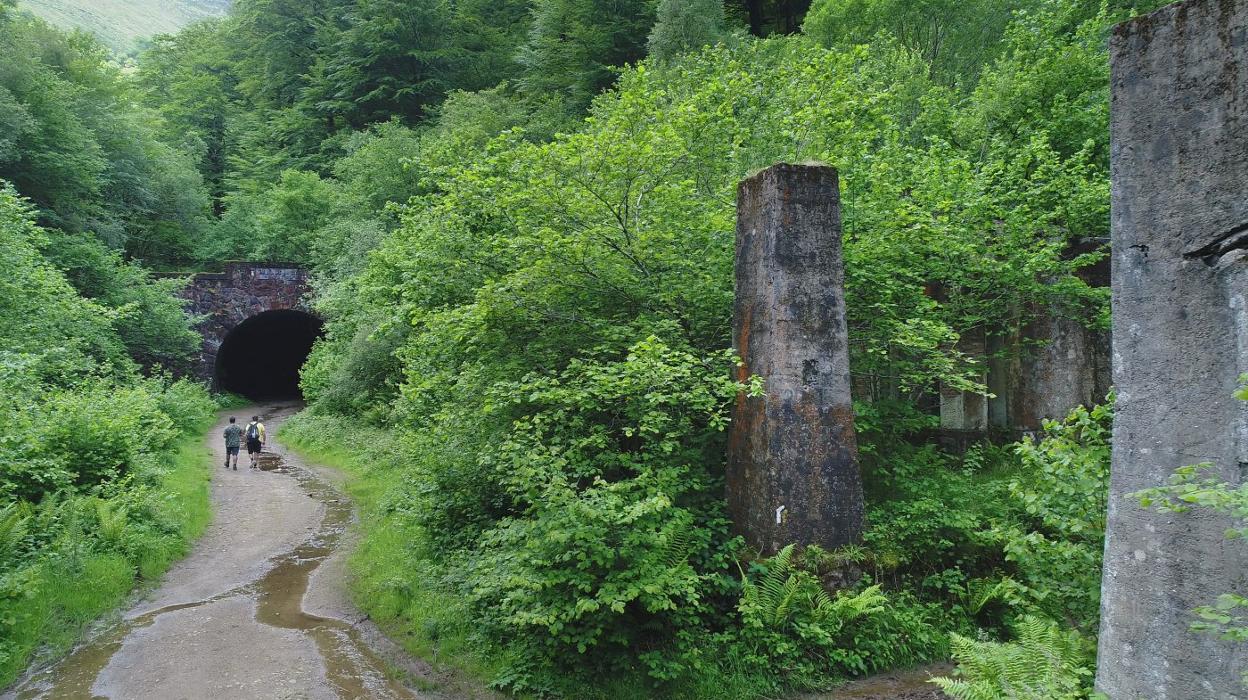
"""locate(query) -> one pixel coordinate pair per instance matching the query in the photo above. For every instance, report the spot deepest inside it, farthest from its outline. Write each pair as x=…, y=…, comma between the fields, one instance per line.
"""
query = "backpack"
x=253, y=431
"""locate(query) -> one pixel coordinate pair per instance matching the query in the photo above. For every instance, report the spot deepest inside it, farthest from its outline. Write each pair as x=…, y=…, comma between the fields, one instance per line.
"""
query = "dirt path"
x=257, y=610
x=910, y=684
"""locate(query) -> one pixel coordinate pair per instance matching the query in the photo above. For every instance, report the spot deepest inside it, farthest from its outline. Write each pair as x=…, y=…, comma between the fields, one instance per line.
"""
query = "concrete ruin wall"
x=1179, y=149
x=245, y=289
x=793, y=471
x=1054, y=365
x=966, y=410
x=1068, y=366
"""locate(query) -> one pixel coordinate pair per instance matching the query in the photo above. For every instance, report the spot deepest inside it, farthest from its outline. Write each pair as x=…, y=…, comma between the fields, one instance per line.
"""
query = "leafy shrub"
x=185, y=402
x=99, y=431
x=135, y=527
x=48, y=332
x=1063, y=487
x=618, y=535
x=150, y=319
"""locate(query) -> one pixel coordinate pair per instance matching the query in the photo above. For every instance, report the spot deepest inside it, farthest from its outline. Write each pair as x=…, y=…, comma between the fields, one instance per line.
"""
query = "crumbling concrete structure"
x=1180, y=278
x=793, y=471
x=1052, y=365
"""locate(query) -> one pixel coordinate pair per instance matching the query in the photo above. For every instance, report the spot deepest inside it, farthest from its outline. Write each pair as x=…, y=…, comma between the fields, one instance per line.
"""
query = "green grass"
x=393, y=578
x=123, y=24
x=50, y=614
x=229, y=401
x=187, y=485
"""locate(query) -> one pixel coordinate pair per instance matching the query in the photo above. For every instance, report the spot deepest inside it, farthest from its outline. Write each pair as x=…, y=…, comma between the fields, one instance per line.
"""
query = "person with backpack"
x=233, y=438
x=255, y=439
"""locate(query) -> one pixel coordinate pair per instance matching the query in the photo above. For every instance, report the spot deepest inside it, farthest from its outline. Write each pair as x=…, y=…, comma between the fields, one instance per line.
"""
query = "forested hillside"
x=519, y=215
x=124, y=24
x=98, y=482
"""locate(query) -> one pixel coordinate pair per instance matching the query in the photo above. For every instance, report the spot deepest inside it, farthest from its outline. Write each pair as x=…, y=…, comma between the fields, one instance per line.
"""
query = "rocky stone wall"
x=1179, y=150
x=224, y=300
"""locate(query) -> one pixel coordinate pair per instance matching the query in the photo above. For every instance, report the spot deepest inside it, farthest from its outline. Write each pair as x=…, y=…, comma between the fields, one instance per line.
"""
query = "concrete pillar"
x=1179, y=153
x=1062, y=367
x=967, y=410
x=793, y=459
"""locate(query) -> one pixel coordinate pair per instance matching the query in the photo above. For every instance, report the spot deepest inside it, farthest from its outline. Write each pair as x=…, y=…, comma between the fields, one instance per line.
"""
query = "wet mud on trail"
x=904, y=684
x=258, y=609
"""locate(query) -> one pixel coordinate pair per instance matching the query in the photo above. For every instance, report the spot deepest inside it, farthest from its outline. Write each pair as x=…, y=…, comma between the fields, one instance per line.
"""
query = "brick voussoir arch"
x=224, y=300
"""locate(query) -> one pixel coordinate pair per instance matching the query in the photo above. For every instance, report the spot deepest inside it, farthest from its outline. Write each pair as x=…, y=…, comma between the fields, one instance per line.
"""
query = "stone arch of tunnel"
x=260, y=358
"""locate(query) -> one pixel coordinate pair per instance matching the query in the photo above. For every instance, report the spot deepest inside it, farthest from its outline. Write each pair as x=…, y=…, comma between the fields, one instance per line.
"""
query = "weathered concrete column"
x=967, y=410
x=793, y=459
x=1180, y=338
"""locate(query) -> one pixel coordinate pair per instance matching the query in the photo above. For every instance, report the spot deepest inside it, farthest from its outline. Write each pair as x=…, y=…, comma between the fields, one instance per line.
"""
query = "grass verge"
x=393, y=577
x=104, y=547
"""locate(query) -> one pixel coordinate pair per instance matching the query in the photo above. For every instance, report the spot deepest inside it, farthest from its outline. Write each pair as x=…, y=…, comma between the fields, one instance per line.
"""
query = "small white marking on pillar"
x=780, y=515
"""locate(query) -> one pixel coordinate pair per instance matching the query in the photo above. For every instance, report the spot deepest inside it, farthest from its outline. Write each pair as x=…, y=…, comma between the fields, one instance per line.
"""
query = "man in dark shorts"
x=255, y=439
x=233, y=439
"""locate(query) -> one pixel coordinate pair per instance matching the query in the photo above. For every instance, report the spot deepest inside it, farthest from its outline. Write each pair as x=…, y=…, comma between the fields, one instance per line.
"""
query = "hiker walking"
x=233, y=439
x=255, y=439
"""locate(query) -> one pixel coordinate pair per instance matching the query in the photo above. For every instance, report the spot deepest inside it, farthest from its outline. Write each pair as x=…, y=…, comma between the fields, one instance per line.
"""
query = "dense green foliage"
x=682, y=26
x=292, y=85
x=521, y=233
x=541, y=324
x=75, y=142
x=96, y=484
x=1050, y=529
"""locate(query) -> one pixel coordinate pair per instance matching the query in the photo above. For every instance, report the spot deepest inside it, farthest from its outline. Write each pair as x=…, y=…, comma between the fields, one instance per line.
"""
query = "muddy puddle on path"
x=351, y=668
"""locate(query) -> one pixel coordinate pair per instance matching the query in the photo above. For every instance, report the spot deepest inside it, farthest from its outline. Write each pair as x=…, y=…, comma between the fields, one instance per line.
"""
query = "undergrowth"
x=775, y=627
x=105, y=541
x=959, y=549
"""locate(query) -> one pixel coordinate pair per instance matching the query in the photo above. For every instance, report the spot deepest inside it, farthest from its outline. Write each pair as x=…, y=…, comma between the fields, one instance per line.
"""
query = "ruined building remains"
x=793, y=467
x=1180, y=287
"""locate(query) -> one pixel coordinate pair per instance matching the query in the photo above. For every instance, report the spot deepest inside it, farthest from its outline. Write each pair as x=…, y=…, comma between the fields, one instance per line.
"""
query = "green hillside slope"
x=122, y=23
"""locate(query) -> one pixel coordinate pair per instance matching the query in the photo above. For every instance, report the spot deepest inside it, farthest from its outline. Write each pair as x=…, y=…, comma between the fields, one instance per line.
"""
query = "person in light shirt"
x=255, y=439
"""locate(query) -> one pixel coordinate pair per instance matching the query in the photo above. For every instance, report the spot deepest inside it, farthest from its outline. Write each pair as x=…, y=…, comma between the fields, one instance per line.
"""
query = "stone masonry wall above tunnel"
x=225, y=300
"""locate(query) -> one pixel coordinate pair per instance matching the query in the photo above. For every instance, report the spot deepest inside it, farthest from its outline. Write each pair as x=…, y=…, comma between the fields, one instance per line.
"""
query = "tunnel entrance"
x=261, y=357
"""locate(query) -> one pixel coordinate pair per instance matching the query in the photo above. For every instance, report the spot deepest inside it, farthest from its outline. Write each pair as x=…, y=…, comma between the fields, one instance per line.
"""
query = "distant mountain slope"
x=122, y=23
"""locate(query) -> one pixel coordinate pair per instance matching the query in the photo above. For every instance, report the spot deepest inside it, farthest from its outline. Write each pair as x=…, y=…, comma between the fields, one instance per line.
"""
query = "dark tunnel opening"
x=261, y=357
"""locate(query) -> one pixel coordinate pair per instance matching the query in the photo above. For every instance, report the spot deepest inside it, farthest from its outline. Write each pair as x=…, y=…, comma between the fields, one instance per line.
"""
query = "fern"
x=1044, y=663
x=14, y=524
x=678, y=547
x=767, y=602
x=980, y=592
x=786, y=593
x=112, y=519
